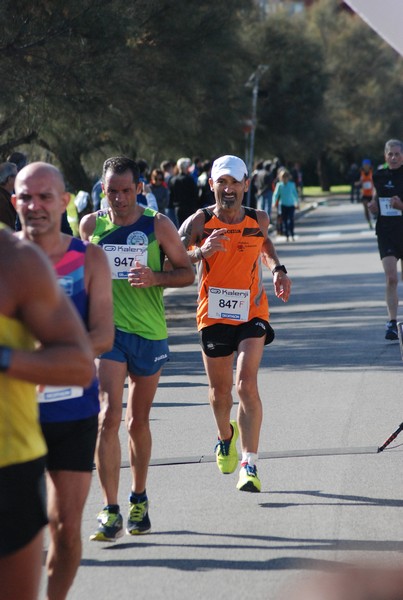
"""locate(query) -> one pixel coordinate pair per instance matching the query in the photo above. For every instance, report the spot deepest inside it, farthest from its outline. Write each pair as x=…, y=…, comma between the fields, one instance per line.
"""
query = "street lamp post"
x=253, y=82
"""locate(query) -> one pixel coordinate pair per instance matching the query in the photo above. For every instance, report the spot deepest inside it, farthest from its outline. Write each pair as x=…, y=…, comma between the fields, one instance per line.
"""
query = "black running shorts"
x=71, y=444
x=390, y=244
x=222, y=339
x=22, y=504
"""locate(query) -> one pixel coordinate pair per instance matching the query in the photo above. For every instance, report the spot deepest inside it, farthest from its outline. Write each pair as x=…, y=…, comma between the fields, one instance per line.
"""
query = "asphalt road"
x=330, y=385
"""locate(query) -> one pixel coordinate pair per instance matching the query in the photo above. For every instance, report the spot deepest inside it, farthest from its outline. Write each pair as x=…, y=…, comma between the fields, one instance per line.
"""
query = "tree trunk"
x=323, y=171
x=74, y=174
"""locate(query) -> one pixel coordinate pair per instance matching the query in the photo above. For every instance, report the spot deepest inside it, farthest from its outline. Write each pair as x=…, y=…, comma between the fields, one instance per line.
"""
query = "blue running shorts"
x=143, y=357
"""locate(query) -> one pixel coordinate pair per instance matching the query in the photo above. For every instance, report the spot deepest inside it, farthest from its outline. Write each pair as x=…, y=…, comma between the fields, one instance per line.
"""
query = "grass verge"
x=335, y=190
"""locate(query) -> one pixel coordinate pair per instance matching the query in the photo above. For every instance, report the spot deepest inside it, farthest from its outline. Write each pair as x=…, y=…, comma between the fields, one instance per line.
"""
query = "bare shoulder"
x=20, y=256
x=165, y=230
x=163, y=223
x=191, y=230
x=95, y=253
x=87, y=225
x=21, y=260
x=263, y=219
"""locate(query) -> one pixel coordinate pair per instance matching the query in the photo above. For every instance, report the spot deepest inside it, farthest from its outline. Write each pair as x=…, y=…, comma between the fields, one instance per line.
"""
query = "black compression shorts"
x=71, y=444
x=390, y=245
x=222, y=340
x=22, y=504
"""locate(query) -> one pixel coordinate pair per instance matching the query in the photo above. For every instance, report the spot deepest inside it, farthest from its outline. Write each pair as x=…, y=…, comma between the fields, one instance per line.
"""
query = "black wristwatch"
x=279, y=268
x=5, y=358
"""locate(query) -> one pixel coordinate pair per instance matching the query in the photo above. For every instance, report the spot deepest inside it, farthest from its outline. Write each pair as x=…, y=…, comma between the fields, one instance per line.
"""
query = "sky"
x=384, y=16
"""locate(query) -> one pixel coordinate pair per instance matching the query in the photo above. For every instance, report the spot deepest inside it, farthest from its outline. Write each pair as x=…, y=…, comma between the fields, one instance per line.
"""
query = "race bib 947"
x=122, y=258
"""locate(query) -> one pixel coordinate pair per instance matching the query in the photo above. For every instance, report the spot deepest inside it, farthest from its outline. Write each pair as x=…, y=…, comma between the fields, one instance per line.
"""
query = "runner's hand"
x=282, y=285
x=215, y=242
x=141, y=276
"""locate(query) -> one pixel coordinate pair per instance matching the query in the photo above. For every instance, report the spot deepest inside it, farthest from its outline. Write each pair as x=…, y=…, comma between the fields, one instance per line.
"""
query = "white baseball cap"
x=229, y=165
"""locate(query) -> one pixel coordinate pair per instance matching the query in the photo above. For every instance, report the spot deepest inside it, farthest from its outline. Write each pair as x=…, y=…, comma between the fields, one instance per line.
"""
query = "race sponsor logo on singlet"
x=67, y=284
x=225, y=303
x=56, y=393
x=123, y=257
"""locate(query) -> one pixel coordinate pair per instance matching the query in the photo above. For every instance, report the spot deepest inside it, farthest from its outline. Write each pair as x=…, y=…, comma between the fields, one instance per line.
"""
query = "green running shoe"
x=138, y=521
x=226, y=452
x=110, y=527
x=248, y=479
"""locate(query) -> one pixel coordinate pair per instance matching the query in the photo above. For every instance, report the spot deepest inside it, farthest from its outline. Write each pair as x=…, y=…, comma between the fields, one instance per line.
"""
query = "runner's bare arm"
x=281, y=282
x=64, y=355
x=87, y=226
x=98, y=281
x=373, y=205
x=191, y=233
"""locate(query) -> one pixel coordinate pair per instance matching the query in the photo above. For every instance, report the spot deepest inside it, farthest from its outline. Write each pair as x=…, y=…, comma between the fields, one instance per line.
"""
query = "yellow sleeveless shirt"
x=21, y=438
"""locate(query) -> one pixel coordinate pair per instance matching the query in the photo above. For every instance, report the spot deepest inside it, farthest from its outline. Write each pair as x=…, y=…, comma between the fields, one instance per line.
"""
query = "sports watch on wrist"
x=5, y=358
x=279, y=268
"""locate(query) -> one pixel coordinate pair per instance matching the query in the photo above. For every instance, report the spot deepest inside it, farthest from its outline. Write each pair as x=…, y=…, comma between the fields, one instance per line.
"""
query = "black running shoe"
x=391, y=331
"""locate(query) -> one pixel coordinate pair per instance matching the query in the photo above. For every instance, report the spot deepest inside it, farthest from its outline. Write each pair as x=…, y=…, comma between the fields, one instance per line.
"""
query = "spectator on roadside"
x=8, y=214
x=18, y=158
x=206, y=196
x=160, y=189
x=183, y=191
x=264, y=185
x=194, y=169
x=96, y=194
x=144, y=169
x=145, y=197
x=275, y=167
x=298, y=178
x=285, y=199
x=353, y=178
x=167, y=167
x=250, y=198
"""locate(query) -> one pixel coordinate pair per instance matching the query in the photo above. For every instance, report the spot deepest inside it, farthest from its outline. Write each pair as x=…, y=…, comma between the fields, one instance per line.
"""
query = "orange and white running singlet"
x=230, y=283
x=367, y=185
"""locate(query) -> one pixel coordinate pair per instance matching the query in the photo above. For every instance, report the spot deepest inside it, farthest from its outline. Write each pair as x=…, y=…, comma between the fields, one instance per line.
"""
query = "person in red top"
x=367, y=188
x=229, y=244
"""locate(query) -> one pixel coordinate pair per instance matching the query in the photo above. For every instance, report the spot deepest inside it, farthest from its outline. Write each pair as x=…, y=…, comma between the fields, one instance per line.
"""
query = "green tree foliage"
x=323, y=99
x=85, y=79
x=291, y=90
x=364, y=91
x=94, y=76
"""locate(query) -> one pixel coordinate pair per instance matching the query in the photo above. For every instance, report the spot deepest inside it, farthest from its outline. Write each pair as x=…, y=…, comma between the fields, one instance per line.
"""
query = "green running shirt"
x=136, y=310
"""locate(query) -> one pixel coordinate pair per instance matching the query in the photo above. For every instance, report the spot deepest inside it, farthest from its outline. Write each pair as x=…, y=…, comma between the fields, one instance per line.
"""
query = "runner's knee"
x=247, y=389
